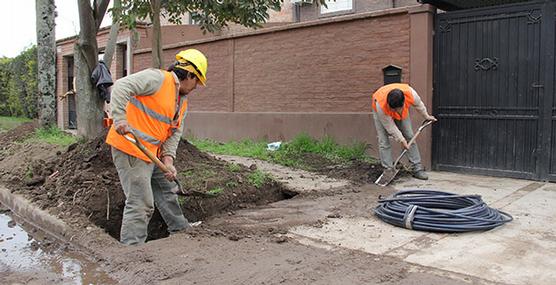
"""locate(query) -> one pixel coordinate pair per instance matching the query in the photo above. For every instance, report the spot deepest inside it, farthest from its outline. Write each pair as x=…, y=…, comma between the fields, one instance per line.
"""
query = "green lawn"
x=8, y=123
x=292, y=153
x=53, y=135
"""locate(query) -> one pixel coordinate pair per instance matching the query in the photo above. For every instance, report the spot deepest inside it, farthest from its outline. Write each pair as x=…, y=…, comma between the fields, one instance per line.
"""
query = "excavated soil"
x=17, y=154
x=80, y=184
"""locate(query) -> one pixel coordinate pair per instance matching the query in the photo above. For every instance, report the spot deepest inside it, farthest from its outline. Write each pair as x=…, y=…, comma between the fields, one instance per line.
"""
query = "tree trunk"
x=46, y=60
x=156, y=38
x=112, y=38
x=89, y=104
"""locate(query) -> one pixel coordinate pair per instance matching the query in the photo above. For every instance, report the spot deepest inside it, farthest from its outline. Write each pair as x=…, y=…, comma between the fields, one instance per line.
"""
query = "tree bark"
x=112, y=38
x=100, y=8
x=89, y=104
x=156, y=38
x=46, y=60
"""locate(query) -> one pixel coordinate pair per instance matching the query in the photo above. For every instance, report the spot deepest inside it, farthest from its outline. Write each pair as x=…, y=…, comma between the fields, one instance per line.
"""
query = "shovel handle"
x=151, y=156
x=424, y=124
x=163, y=167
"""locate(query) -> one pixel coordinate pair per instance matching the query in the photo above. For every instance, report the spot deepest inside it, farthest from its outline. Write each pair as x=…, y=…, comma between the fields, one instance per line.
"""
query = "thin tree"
x=112, y=38
x=89, y=104
x=45, y=11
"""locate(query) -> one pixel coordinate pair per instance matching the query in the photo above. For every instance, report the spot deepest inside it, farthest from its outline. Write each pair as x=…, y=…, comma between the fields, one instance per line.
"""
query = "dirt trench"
x=80, y=184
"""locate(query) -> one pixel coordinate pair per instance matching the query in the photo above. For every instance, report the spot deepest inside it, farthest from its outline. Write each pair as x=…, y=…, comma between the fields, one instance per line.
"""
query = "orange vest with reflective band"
x=380, y=98
x=153, y=119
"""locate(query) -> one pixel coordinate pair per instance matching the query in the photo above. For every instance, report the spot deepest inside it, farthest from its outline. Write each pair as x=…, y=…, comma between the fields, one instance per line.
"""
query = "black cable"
x=437, y=211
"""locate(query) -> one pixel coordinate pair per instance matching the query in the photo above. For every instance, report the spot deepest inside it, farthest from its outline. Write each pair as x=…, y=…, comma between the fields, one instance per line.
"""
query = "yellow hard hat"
x=193, y=61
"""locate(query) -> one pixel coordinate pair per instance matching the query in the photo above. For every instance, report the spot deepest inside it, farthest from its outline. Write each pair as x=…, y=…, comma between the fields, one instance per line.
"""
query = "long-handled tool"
x=163, y=167
x=388, y=174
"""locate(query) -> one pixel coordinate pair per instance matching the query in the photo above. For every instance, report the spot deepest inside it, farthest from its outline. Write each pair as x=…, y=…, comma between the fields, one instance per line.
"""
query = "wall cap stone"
x=312, y=23
x=423, y=8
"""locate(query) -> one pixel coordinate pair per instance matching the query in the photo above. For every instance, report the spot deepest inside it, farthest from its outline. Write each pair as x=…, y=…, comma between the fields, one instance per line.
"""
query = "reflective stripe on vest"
x=380, y=98
x=144, y=137
x=150, y=117
x=149, y=112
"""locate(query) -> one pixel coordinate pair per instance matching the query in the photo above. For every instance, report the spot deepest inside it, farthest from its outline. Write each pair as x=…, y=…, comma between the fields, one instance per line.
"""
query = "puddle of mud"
x=29, y=255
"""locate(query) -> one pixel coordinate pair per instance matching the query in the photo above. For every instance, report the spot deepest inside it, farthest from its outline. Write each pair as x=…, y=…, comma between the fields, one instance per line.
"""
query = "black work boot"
x=420, y=174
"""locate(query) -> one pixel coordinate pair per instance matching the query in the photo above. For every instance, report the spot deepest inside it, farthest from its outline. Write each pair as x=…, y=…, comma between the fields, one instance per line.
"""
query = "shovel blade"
x=387, y=176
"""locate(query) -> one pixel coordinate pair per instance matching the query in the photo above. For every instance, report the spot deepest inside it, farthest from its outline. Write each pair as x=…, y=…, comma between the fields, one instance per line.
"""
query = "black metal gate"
x=494, y=91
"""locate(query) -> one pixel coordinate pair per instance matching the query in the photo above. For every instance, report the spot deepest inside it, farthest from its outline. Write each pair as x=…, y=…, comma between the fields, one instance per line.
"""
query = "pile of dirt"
x=81, y=184
x=17, y=153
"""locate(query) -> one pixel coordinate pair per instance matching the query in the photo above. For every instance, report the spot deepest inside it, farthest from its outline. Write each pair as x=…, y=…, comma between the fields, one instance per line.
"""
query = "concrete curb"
x=55, y=227
x=35, y=216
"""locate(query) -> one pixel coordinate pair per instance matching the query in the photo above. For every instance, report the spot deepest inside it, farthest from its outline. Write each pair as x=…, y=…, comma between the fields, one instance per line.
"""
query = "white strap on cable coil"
x=409, y=216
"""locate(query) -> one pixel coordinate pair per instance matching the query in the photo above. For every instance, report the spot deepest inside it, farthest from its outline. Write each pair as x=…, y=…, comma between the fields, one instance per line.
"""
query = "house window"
x=336, y=6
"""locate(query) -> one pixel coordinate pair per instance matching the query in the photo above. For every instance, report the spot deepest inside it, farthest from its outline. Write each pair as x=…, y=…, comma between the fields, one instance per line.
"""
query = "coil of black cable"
x=437, y=211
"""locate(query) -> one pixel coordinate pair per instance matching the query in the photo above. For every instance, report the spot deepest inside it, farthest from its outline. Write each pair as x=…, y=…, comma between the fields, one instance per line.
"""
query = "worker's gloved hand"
x=430, y=118
x=122, y=127
x=168, y=161
x=404, y=144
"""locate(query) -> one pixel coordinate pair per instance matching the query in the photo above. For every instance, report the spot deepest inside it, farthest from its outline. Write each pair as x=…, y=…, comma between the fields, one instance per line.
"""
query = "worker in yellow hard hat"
x=193, y=61
x=152, y=104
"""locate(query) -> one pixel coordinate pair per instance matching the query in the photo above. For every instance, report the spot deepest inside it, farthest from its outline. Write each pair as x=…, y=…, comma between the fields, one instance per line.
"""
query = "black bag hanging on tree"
x=437, y=211
x=102, y=79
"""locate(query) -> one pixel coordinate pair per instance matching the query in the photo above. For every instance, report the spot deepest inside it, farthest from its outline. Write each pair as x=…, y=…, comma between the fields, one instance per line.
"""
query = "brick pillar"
x=118, y=62
x=421, y=68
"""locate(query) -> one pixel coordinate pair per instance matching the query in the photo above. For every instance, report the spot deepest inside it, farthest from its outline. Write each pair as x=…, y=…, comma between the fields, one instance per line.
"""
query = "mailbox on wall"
x=392, y=74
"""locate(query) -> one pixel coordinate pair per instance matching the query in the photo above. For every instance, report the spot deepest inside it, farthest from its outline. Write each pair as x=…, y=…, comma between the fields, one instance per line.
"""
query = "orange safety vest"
x=152, y=118
x=380, y=98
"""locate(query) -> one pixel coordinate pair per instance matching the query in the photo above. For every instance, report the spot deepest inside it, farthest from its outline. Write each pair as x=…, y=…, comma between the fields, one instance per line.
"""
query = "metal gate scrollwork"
x=534, y=17
x=486, y=63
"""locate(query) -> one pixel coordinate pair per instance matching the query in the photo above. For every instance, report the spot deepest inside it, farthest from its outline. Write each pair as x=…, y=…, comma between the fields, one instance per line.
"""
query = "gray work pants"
x=385, y=149
x=144, y=186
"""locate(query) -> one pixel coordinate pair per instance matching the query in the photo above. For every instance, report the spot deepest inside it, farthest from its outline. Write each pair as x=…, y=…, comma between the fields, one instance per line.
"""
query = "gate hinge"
x=537, y=85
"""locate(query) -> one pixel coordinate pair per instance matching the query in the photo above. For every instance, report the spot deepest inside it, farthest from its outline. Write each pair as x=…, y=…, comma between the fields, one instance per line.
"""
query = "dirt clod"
x=234, y=237
x=334, y=216
x=34, y=181
x=280, y=239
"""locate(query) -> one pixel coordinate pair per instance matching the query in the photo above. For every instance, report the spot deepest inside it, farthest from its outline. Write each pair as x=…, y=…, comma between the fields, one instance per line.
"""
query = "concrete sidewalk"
x=520, y=252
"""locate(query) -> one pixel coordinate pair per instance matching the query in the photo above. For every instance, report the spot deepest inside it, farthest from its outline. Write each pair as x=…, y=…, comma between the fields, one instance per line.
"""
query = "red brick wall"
x=329, y=67
x=325, y=68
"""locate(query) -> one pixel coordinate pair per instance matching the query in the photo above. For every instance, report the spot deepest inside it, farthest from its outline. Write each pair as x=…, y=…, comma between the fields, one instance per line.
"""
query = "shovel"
x=388, y=174
x=165, y=169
